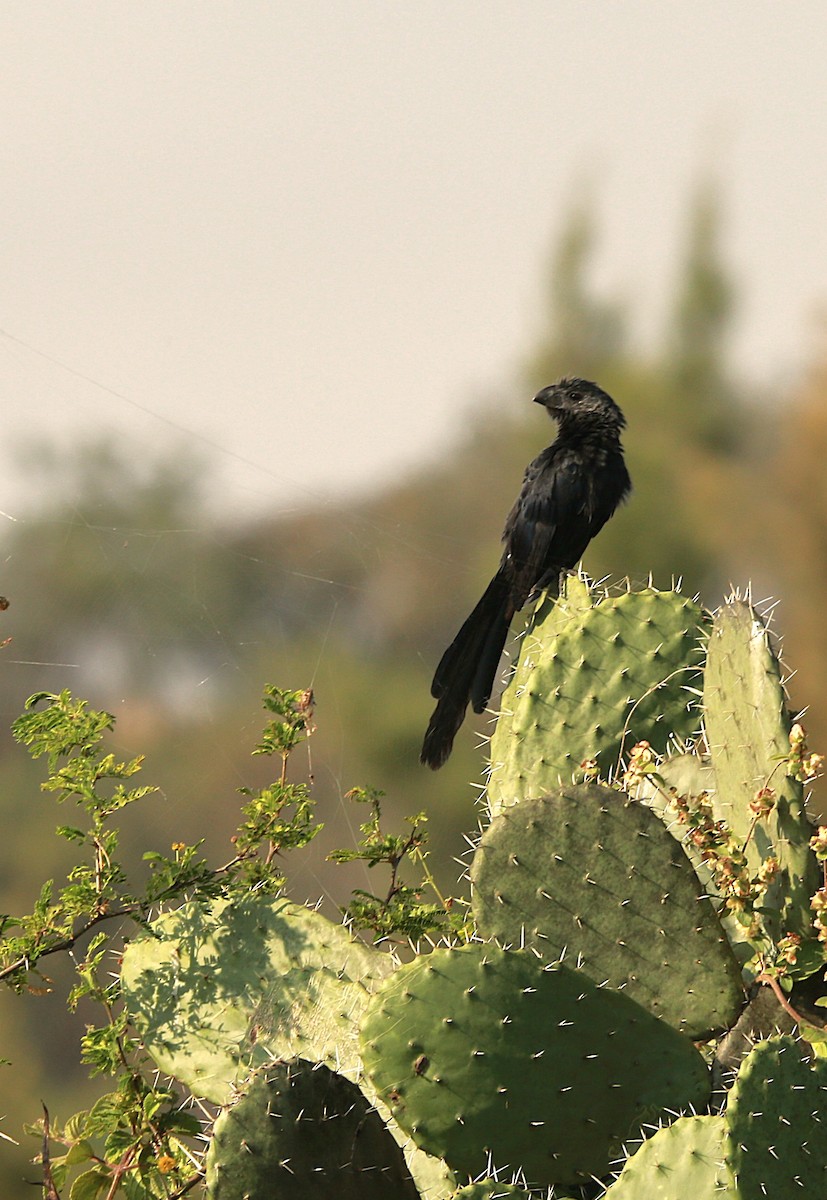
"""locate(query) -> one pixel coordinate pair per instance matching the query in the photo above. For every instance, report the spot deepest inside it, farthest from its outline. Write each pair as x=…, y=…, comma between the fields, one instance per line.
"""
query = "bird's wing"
x=546, y=530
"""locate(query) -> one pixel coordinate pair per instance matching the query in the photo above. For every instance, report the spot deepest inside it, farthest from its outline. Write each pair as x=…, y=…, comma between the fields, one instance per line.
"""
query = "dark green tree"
x=697, y=344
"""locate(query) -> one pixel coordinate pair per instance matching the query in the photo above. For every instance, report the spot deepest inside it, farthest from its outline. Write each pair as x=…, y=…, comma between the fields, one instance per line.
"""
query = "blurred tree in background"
x=583, y=327
x=129, y=591
x=696, y=363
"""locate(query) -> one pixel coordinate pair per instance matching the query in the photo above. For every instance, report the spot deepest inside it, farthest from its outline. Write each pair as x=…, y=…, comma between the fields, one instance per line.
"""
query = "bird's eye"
x=575, y=395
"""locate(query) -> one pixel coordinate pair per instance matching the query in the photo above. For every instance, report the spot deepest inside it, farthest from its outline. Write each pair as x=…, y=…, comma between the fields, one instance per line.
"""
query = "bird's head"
x=571, y=401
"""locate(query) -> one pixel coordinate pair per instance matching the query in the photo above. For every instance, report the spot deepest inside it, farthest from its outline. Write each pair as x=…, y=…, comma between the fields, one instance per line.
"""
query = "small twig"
x=50, y=1192
x=418, y=857
x=780, y=997
x=186, y=1187
x=122, y=1055
x=395, y=860
x=758, y=815
x=232, y=862
x=68, y=942
x=119, y=1171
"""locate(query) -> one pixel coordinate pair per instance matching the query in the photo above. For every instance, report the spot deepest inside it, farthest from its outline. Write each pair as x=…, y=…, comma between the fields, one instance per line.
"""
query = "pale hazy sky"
x=313, y=232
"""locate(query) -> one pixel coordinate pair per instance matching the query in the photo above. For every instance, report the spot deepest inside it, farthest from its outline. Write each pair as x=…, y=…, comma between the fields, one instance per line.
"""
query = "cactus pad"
x=302, y=1130
x=748, y=732
x=684, y=1160
x=490, y=1189
x=777, y=1123
x=216, y=989
x=594, y=678
x=588, y=872
x=484, y=1052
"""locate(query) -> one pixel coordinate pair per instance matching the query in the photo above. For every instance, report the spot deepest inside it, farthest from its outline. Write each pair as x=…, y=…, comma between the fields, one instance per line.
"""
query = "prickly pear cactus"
x=481, y=1052
x=771, y=1140
x=776, y=1115
x=681, y=1161
x=219, y=989
x=748, y=732
x=216, y=989
x=502, y=1059
x=586, y=870
x=302, y=1130
x=490, y=1189
x=596, y=674
x=550, y=618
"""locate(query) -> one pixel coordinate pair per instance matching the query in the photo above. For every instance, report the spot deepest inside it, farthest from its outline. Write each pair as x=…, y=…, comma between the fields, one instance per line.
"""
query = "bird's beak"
x=547, y=398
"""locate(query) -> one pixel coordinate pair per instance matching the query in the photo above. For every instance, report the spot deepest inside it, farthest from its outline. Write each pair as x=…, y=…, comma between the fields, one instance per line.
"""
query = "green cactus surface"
x=301, y=1130
x=216, y=989
x=553, y=615
x=490, y=1189
x=748, y=733
x=686, y=775
x=689, y=776
x=776, y=1141
x=590, y=873
x=596, y=674
x=684, y=1161
x=481, y=1052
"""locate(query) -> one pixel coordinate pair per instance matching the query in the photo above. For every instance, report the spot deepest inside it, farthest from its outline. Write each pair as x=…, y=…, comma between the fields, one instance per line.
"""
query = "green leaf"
x=76, y=1126
x=184, y=1122
x=70, y=833
x=809, y=959
x=90, y=1185
x=80, y=1152
x=816, y=1037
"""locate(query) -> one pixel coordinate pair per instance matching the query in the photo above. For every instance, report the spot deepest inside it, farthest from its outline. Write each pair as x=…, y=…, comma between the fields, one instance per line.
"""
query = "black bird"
x=568, y=494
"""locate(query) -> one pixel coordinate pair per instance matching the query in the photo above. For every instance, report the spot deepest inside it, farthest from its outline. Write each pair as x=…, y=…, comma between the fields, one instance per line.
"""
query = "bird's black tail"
x=467, y=670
